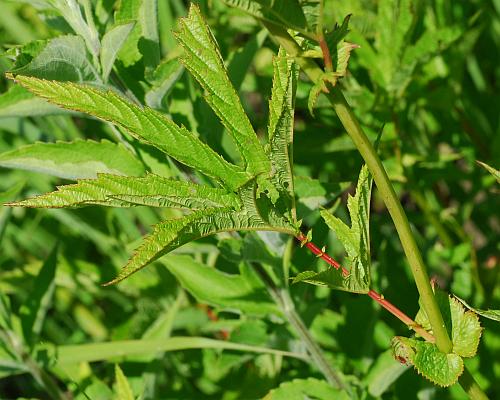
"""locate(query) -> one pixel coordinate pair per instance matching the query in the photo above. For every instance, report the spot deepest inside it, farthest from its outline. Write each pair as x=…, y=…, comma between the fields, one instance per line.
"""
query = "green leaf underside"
x=232, y=292
x=288, y=13
x=463, y=326
x=73, y=160
x=62, y=58
x=490, y=314
x=310, y=388
x=171, y=234
x=145, y=124
x=355, y=239
x=18, y=102
x=203, y=59
x=280, y=127
x=120, y=191
x=112, y=42
x=440, y=368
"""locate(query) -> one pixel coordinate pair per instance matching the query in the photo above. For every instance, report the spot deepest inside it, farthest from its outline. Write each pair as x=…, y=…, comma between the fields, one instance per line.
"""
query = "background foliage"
x=428, y=79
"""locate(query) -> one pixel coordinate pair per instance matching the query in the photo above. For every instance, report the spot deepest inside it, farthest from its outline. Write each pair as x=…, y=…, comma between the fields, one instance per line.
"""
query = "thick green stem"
x=398, y=215
x=383, y=183
x=471, y=387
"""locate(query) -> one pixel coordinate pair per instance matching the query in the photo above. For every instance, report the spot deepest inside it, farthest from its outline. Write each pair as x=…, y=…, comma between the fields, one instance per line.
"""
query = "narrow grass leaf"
x=34, y=310
x=74, y=354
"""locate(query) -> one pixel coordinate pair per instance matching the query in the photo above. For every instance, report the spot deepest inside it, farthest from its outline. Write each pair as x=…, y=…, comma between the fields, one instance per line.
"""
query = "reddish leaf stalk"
x=327, y=58
x=372, y=293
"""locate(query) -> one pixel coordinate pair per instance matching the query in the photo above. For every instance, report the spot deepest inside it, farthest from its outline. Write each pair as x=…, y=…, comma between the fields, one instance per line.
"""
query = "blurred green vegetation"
x=430, y=83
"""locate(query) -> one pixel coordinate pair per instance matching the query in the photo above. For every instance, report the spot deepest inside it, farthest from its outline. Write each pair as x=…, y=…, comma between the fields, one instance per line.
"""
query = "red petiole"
x=372, y=293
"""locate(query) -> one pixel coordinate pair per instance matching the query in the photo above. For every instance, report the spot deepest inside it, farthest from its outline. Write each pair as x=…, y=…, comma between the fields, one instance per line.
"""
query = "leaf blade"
x=203, y=59
x=73, y=160
x=145, y=124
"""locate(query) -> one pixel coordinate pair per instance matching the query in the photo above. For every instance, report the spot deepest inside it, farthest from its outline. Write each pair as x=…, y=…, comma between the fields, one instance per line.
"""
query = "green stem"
x=365, y=148
x=471, y=387
x=282, y=298
x=398, y=215
x=348, y=119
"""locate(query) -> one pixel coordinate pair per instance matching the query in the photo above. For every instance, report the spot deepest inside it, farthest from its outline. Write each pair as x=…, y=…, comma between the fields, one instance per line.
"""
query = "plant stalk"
x=470, y=386
x=365, y=148
x=405, y=319
x=350, y=123
x=282, y=298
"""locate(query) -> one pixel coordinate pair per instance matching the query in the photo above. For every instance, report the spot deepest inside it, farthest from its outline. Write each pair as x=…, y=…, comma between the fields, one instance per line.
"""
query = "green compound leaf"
x=203, y=59
x=123, y=191
x=171, y=234
x=280, y=127
x=355, y=239
x=463, y=326
x=145, y=124
x=73, y=160
x=311, y=388
x=440, y=368
x=490, y=314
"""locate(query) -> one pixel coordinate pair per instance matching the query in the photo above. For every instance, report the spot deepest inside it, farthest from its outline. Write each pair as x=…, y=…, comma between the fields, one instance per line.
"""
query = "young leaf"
x=356, y=241
x=73, y=160
x=227, y=291
x=112, y=42
x=463, y=326
x=121, y=191
x=310, y=388
x=146, y=124
x=123, y=390
x=280, y=127
x=203, y=59
x=440, y=368
x=163, y=79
